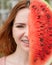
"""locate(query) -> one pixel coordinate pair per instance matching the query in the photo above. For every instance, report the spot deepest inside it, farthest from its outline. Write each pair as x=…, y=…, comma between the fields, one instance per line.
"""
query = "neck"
x=20, y=56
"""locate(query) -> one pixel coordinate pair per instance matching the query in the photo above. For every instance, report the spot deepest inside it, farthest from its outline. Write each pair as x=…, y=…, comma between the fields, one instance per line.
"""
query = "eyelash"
x=20, y=26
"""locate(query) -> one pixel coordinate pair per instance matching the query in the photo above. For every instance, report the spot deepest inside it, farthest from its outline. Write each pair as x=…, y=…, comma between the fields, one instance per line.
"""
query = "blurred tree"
x=5, y=4
x=49, y=2
x=0, y=4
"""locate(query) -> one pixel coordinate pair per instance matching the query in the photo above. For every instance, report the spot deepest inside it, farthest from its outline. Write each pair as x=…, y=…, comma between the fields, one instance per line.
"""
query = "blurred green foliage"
x=47, y=1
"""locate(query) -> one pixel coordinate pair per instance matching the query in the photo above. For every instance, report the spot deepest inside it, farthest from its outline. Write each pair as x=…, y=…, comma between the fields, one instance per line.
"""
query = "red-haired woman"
x=14, y=43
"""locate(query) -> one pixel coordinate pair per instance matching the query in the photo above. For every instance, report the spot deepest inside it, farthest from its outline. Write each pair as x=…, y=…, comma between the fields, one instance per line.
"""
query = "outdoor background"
x=7, y=5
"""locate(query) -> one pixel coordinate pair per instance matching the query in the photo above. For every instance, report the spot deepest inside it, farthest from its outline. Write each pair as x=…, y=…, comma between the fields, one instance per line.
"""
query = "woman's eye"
x=20, y=26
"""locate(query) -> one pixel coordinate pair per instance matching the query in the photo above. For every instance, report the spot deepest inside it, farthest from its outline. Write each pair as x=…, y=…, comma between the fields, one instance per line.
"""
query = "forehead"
x=22, y=15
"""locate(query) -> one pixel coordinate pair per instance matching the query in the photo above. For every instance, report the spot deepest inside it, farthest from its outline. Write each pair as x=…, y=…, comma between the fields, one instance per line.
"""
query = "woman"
x=14, y=43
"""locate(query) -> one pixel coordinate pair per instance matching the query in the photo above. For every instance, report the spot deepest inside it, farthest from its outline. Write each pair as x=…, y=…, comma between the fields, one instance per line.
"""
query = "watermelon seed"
x=48, y=21
x=34, y=7
x=41, y=39
x=35, y=60
x=39, y=22
x=41, y=26
x=44, y=49
x=38, y=17
x=50, y=46
x=50, y=35
x=43, y=9
x=47, y=52
x=41, y=33
x=48, y=16
x=41, y=6
x=42, y=44
x=50, y=28
x=41, y=55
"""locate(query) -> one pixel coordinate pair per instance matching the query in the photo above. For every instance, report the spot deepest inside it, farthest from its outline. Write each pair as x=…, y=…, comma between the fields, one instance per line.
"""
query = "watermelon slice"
x=40, y=33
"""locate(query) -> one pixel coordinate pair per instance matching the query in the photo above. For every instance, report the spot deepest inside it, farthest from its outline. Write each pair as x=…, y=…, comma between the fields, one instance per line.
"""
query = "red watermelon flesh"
x=40, y=33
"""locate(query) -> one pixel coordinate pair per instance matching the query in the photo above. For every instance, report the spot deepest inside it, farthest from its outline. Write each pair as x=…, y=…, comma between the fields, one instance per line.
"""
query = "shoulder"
x=9, y=61
x=2, y=61
x=5, y=61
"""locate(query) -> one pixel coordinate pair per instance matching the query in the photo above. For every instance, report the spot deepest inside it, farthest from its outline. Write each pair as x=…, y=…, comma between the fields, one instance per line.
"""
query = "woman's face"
x=20, y=29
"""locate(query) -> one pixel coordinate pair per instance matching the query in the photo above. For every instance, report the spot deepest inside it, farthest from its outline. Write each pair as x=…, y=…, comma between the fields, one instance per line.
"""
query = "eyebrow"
x=20, y=23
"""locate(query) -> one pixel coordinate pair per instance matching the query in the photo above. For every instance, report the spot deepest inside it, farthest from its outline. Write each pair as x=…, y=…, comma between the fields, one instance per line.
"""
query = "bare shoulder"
x=9, y=61
x=2, y=61
x=5, y=61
